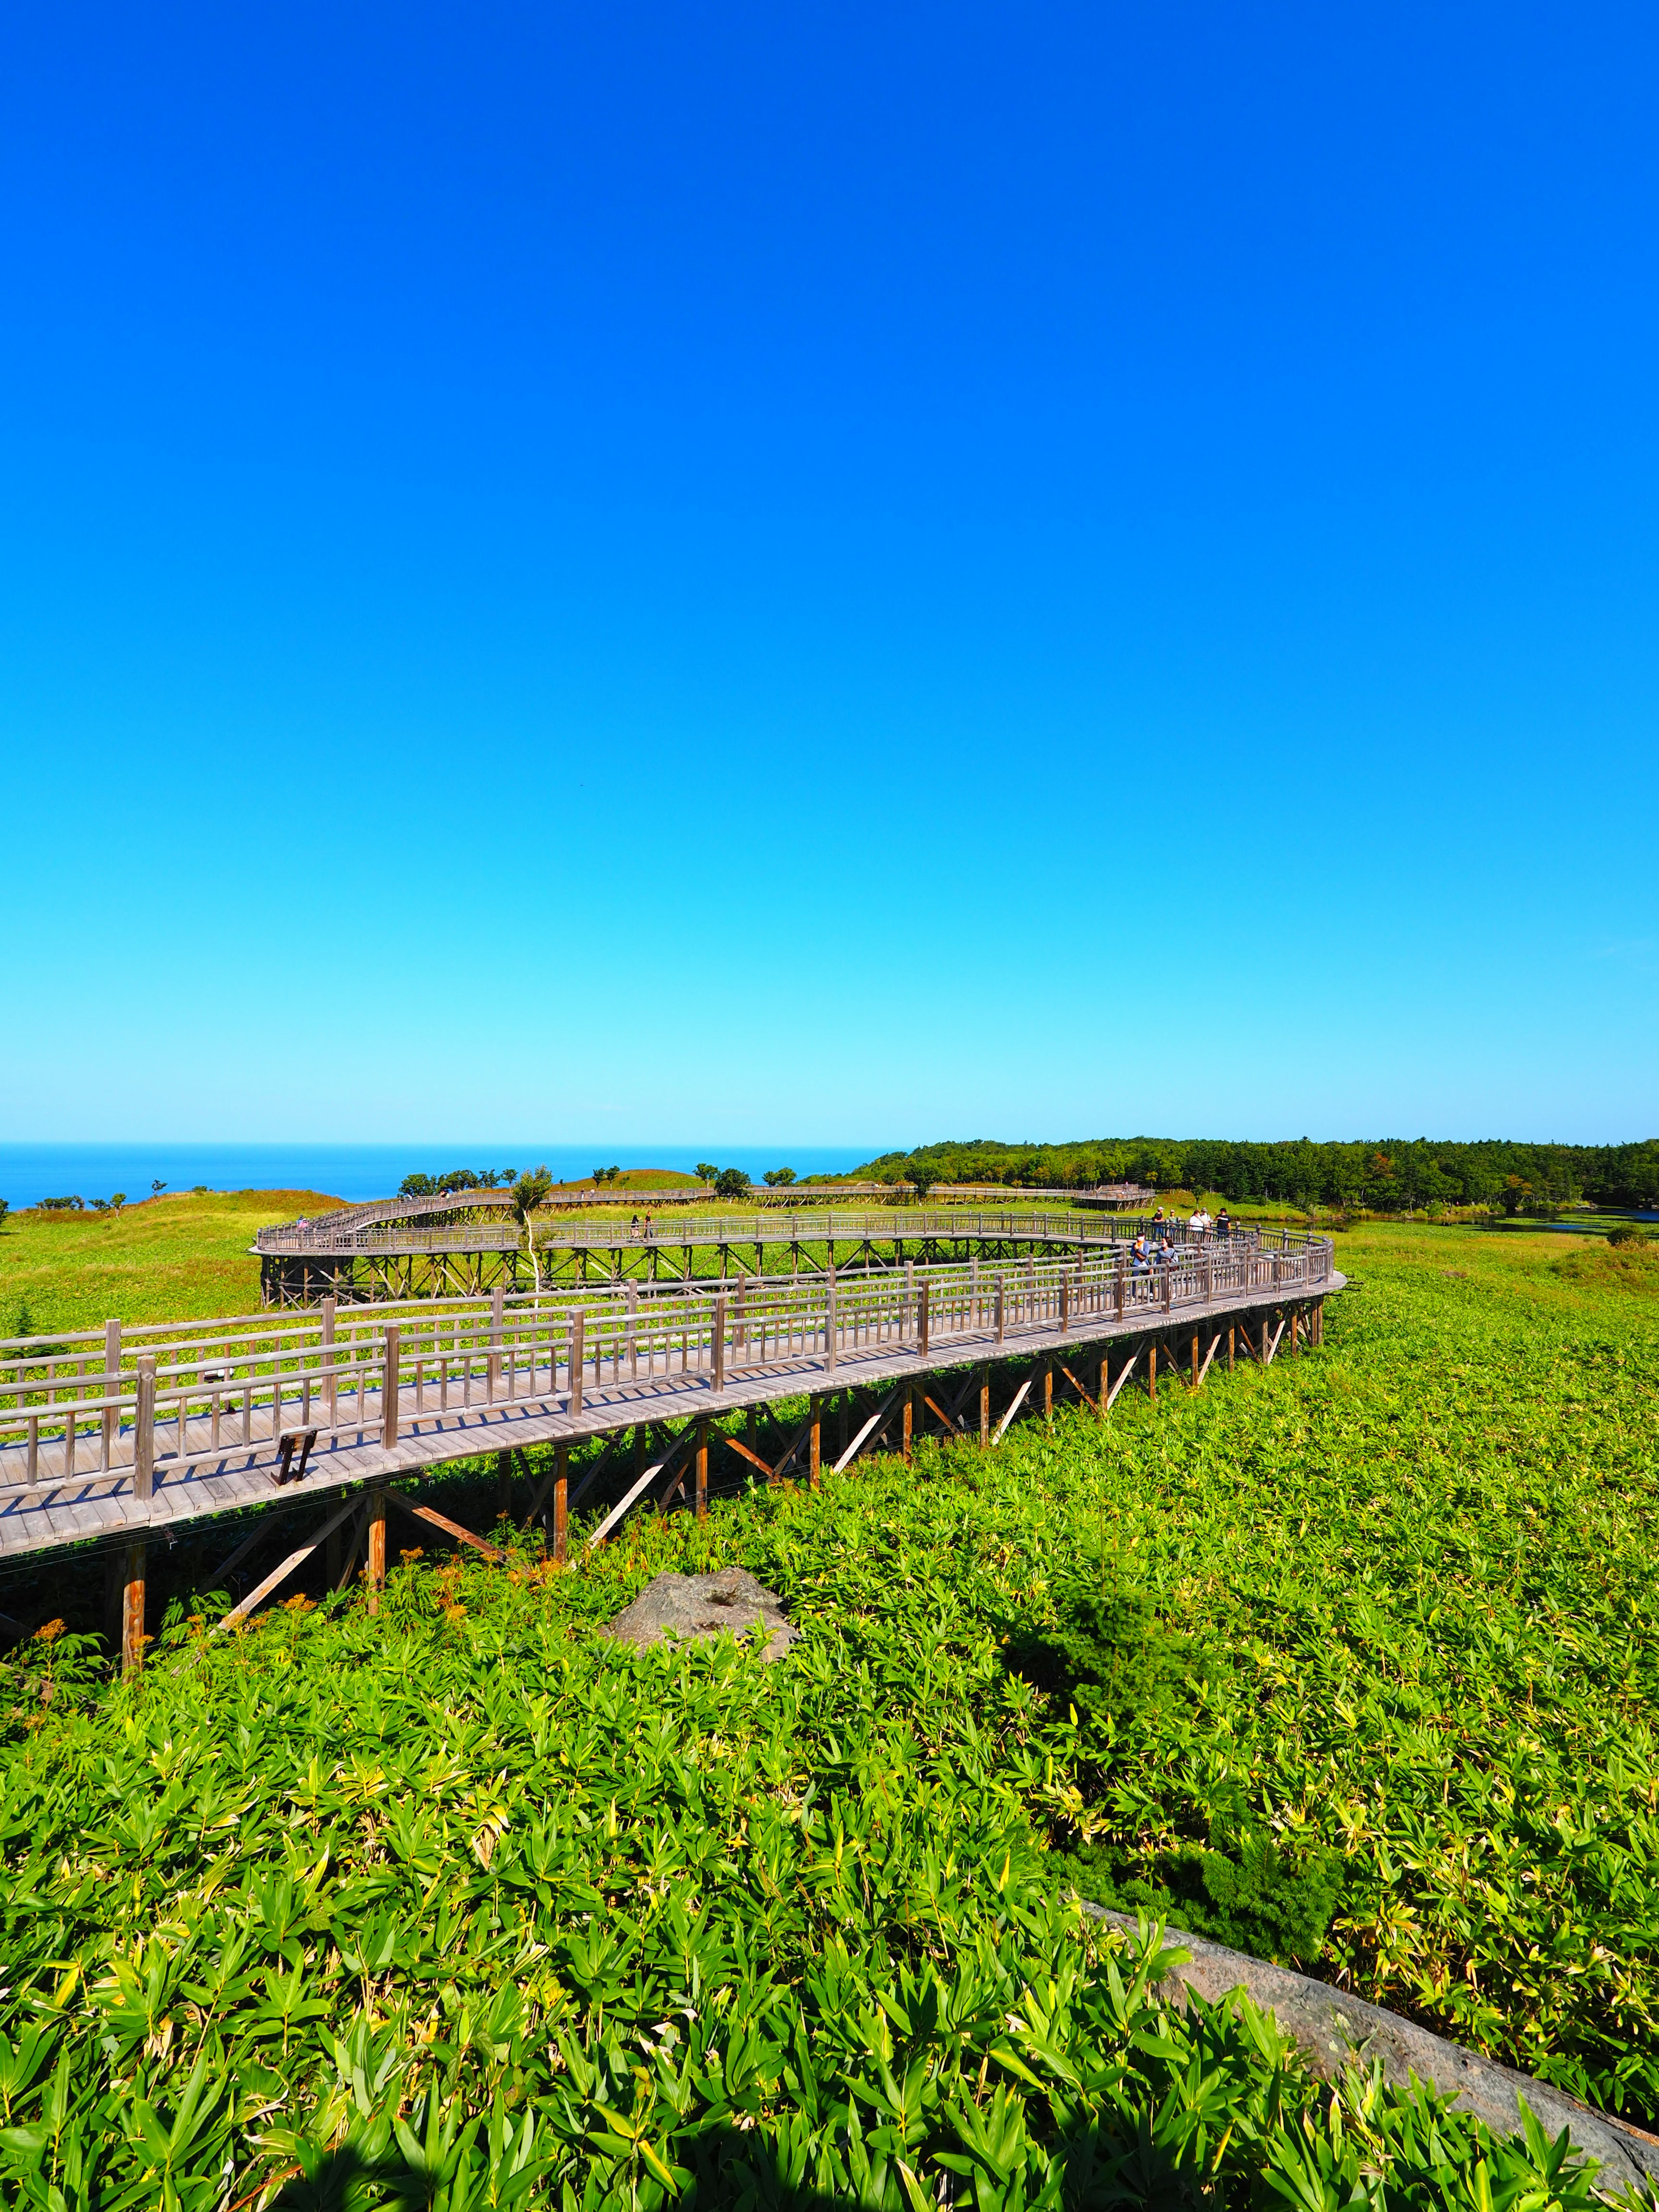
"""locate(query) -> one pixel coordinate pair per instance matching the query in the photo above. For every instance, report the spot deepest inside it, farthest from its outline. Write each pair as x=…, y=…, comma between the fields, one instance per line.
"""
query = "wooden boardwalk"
x=466, y=1244
x=115, y=1436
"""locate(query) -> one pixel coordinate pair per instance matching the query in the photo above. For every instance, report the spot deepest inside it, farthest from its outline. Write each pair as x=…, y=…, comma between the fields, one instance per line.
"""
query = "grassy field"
x=467, y=1886
x=184, y=1256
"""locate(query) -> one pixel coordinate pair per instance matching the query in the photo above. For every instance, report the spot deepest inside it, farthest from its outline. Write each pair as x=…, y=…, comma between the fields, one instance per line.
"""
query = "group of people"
x=1155, y=1247
x=635, y=1232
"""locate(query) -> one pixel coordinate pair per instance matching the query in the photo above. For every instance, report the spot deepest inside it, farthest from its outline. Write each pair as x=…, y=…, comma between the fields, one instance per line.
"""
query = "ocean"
x=29, y=1173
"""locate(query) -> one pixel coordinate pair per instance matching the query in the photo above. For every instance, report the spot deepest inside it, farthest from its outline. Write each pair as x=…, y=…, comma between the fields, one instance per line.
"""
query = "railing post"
x=831, y=1324
x=1117, y=1282
x=910, y=1299
x=111, y=1421
x=576, y=1333
x=1002, y=1314
x=814, y=1440
x=143, y=1429
x=1064, y=1304
x=331, y=1386
x=922, y=1321
x=702, y=1455
x=497, y=1306
x=717, y=1349
x=389, y=1392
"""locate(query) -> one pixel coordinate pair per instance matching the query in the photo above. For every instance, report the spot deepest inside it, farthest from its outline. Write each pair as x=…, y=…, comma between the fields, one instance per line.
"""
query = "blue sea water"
x=29, y=1173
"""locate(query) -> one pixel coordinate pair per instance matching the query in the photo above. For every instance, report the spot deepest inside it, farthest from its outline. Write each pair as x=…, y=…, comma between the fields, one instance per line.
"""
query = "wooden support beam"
x=815, y=1450
x=436, y=1520
x=909, y=1420
x=132, y=1609
x=876, y=1420
x=984, y=1408
x=703, y=1457
x=1049, y=1389
x=743, y=1451
x=280, y=1574
x=1124, y=1373
x=1208, y=1356
x=1078, y=1388
x=376, y=1568
x=1016, y=1402
x=1151, y=1372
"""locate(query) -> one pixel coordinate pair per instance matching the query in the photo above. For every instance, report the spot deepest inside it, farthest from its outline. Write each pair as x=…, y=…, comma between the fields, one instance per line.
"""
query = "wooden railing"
x=803, y=1225
x=99, y=1402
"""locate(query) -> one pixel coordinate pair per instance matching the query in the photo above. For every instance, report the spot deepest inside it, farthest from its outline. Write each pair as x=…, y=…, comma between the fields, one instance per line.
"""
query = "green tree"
x=780, y=1177
x=731, y=1183
x=706, y=1171
x=528, y=1192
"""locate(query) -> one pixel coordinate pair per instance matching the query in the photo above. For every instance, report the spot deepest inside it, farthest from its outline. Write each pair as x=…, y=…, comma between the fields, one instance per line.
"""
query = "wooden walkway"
x=112, y=1435
x=397, y=1249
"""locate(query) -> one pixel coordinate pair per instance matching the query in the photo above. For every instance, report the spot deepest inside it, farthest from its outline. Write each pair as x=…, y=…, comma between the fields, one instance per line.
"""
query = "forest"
x=1385, y=1175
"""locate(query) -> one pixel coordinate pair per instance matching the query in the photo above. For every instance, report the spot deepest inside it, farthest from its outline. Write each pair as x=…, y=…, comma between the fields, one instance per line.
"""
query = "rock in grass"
x=698, y=1608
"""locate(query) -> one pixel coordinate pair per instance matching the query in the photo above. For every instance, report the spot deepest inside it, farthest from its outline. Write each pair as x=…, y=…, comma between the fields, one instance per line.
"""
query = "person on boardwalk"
x=634, y=1228
x=1140, y=1264
x=1223, y=1225
x=1199, y=1224
x=648, y=1231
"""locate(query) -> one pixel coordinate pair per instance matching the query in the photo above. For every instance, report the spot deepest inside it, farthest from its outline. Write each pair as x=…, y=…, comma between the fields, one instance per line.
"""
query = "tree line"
x=1386, y=1175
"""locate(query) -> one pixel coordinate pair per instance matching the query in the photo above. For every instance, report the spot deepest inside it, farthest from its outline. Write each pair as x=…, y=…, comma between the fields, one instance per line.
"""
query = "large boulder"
x=698, y=1609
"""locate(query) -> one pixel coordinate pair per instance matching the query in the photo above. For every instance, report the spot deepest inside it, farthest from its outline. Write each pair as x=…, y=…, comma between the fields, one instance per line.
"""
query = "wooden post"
x=1001, y=1310
x=1194, y=1360
x=132, y=1609
x=717, y=1347
x=1065, y=1305
x=815, y=1440
x=1232, y=1333
x=561, y=1543
x=910, y=1418
x=497, y=1300
x=1151, y=1373
x=985, y=1409
x=376, y=1568
x=909, y=1298
x=1105, y=1378
x=112, y=1423
x=1048, y=1389
x=143, y=1429
x=503, y=1486
x=703, y=1456
x=922, y=1321
x=576, y=1357
x=331, y=1386
x=1296, y=1332
x=1117, y=1283
x=831, y=1348
x=389, y=1394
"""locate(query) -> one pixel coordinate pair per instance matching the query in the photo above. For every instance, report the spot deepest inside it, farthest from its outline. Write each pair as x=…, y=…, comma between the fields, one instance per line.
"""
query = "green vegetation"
x=1354, y=1660
x=1390, y=1175
x=167, y=1259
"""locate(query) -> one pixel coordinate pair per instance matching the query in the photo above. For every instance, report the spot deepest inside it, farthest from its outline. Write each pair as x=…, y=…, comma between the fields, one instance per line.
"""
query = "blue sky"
x=846, y=575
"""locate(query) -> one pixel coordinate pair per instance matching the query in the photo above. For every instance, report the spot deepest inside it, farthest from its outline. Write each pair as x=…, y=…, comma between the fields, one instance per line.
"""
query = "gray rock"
x=1335, y=2030
x=698, y=1609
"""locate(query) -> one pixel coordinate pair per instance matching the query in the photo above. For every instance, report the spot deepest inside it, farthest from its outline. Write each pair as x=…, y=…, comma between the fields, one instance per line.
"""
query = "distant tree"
x=922, y=1179
x=731, y=1183
x=416, y=1186
x=156, y=1188
x=5, y=1207
x=528, y=1192
x=779, y=1178
x=63, y=1206
x=509, y=1175
x=117, y=1200
x=706, y=1171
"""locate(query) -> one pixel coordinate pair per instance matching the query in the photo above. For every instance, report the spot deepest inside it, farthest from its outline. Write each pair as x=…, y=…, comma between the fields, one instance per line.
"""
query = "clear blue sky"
x=844, y=575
